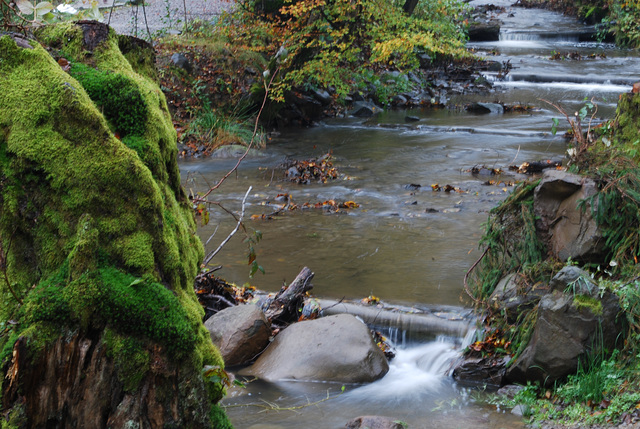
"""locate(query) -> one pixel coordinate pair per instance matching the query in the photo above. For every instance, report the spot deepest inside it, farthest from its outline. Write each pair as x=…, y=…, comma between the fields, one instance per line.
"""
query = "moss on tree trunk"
x=98, y=248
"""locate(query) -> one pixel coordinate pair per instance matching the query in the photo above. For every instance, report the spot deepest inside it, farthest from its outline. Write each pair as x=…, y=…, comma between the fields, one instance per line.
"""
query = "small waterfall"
x=416, y=372
x=552, y=36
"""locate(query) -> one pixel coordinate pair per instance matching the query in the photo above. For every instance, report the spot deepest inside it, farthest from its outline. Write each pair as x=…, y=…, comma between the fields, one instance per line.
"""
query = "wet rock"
x=240, y=332
x=336, y=348
x=363, y=109
x=308, y=108
x=411, y=118
x=182, y=62
x=232, y=151
x=567, y=326
x=478, y=370
x=488, y=31
x=399, y=100
x=322, y=96
x=561, y=203
x=486, y=108
x=374, y=422
x=512, y=298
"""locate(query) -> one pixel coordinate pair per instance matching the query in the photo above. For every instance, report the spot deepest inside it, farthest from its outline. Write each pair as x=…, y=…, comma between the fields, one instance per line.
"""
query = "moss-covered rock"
x=98, y=248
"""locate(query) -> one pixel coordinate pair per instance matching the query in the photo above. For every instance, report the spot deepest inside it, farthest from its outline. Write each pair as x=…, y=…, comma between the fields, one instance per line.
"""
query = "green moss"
x=627, y=124
x=15, y=419
x=131, y=358
x=104, y=230
x=139, y=54
x=587, y=302
x=117, y=96
x=219, y=419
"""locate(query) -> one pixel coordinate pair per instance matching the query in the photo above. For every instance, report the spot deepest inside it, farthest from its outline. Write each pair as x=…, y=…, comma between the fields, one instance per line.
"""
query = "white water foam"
x=416, y=371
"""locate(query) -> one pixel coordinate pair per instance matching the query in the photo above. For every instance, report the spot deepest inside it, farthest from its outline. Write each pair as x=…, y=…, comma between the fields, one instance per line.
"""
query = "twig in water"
x=226, y=240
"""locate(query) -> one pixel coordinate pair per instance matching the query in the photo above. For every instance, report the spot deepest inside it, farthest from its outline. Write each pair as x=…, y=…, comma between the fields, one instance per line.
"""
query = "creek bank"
x=556, y=280
x=196, y=78
x=567, y=317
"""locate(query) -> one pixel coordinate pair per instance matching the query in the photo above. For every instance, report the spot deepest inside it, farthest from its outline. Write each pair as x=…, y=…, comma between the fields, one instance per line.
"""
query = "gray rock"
x=399, y=100
x=574, y=280
x=336, y=348
x=240, y=332
x=233, y=151
x=322, y=96
x=182, y=62
x=565, y=223
x=511, y=297
x=374, y=422
x=566, y=328
x=363, y=109
x=486, y=108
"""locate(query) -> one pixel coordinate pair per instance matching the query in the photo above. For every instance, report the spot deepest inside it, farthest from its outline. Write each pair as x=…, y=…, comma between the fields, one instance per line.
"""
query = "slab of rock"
x=564, y=221
x=477, y=370
x=336, y=348
x=374, y=422
x=241, y=333
x=567, y=327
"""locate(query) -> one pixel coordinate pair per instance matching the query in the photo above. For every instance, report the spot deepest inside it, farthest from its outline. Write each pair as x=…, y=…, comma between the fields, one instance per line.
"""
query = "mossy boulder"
x=98, y=244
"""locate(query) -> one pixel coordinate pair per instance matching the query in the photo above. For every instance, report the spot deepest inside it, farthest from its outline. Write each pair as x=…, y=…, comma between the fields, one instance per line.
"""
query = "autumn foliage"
x=329, y=43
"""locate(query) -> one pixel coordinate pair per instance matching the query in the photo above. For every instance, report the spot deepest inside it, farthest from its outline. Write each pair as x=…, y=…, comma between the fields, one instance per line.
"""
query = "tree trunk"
x=409, y=6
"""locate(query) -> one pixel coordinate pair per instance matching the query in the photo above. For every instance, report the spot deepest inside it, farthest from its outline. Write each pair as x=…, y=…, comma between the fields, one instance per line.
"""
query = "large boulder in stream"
x=335, y=348
x=240, y=332
x=98, y=242
x=576, y=318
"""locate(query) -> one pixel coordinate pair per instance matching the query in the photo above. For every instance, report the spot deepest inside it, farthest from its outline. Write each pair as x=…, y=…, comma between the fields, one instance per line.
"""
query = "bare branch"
x=253, y=137
x=226, y=240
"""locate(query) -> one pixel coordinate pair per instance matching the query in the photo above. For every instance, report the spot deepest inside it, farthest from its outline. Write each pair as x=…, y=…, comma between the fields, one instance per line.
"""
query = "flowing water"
x=410, y=247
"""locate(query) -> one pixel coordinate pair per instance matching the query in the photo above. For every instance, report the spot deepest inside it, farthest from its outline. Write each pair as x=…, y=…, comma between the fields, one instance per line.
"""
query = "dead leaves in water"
x=493, y=343
x=328, y=206
x=318, y=170
x=576, y=56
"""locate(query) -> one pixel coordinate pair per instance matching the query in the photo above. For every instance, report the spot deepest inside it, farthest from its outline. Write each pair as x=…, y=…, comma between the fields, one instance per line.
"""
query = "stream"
x=407, y=246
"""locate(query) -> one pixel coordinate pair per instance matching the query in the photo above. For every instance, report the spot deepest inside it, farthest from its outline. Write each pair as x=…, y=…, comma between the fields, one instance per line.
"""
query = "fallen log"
x=284, y=307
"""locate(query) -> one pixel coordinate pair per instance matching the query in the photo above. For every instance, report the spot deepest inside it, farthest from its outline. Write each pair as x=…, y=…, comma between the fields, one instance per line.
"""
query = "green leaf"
x=554, y=127
x=25, y=7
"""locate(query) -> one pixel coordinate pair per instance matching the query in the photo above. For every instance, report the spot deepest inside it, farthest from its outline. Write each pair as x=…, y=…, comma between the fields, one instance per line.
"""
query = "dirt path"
x=161, y=15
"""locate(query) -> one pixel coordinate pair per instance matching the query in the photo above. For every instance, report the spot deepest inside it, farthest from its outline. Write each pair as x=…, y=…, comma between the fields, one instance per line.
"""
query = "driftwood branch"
x=284, y=306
